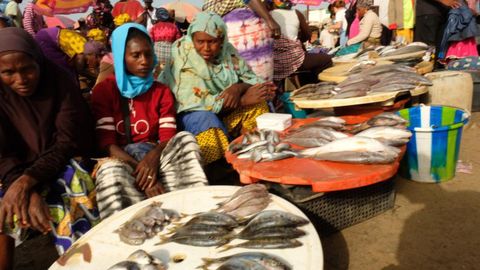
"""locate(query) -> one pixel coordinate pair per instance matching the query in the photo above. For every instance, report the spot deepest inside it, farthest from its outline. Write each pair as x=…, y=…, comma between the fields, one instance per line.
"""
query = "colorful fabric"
x=71, y=42
x=464, y=48
x=97, y=34
x=196, y=83
x=466, y=63
x=71, y=200
x=163, y=51
x=282, y=4
x=354, y=28
x=223, y=7
x=162, y=14
x=408, y=14
x=288, y=57
x=165, y=31
x=180, y=168
x=405, y=34
x=129, y=85
x=131, y=7
x=250, y=35
x=12, y=9
x=213, y=133
x=52, y=7
x=152, y=114
x=32, y=22
x=122, y=19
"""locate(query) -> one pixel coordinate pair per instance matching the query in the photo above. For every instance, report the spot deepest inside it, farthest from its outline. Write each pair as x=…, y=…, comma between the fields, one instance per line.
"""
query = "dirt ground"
x=432, y=226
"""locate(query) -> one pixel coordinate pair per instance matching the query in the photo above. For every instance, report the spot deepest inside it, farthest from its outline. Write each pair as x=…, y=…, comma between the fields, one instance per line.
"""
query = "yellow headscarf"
x=71, y=42
x=121, y=19
x=97, y=34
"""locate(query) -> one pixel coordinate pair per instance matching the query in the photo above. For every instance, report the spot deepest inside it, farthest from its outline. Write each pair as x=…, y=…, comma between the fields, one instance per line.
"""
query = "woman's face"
x=139, y=57
x=19, y=72
x=207, y=46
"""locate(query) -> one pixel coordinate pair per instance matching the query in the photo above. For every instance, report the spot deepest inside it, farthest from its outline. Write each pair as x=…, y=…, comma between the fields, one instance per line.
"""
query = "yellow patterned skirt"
x=213, y=142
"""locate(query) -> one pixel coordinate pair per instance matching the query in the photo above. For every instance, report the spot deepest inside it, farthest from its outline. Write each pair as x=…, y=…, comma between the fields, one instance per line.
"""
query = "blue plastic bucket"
x=289, y=107
x=432, y=152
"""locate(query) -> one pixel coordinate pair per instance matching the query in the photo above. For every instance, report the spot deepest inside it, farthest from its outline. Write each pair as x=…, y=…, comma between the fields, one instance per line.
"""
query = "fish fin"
x=225, y=247
x=163, y=239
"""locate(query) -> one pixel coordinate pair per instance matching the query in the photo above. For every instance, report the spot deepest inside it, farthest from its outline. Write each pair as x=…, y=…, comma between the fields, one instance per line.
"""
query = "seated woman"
x=135, y=126
x=218, y=96
x=370, y=26
x=44, y=123
x=288, y=51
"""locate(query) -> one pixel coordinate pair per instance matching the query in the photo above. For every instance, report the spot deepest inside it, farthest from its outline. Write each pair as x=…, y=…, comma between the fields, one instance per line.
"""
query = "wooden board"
x=107, y=249
x=368, y=99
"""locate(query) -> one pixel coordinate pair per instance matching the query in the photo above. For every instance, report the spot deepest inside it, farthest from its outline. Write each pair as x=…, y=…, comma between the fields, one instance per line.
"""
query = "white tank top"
x=288, y=21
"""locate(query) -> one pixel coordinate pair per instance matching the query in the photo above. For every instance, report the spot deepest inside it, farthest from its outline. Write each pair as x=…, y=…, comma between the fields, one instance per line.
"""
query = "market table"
x=323, y=176
x=105, y=248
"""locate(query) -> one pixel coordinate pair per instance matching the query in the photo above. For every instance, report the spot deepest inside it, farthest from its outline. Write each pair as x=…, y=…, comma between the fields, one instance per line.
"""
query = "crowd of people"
x=372, y=23
x=156, y=104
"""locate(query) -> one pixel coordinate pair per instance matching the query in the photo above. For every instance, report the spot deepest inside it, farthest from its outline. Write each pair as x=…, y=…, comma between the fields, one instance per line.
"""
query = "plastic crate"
x=334, y=211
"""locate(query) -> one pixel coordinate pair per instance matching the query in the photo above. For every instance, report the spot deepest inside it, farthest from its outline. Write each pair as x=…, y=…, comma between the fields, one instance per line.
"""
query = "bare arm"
x=259, y=8
x=117, y=152
x=305, y=32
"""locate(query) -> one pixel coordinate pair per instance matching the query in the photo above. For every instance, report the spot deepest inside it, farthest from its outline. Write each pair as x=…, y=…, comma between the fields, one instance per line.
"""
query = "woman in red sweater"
x=135, y=125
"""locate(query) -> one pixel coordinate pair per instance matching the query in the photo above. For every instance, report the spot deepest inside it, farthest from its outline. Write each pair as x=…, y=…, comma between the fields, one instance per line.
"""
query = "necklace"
x=131, y=108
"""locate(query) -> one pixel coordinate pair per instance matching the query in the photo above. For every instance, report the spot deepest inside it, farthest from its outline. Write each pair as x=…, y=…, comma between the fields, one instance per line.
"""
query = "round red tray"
x=323, y=176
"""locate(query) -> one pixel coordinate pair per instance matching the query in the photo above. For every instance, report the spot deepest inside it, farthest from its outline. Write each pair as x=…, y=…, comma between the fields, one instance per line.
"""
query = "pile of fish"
x=317, y=133
x=271, y=229
x=204, y=230
x=372, y=143
x=383, y=78
x=263, y=145
x=146, y=223
x=139, y=260
x=385, y=51
x=248, y=261
x=248, y=200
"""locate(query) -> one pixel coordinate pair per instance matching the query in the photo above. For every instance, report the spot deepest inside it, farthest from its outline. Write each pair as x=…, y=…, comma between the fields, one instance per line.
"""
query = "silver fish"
x=351, y=93
x=249, y=209
x=198, y=240
x=355, y=150
x=273, y=218
x=214, y=218
x=316, y=132
x=393, y=87
x=198, y=229
x=241, y=264
x=132, y=237
x=272, y=232
x=278, y=156
x=388, y=135
x=252, y=146
x=265, y=244
x=272, y=262
x=242, y=199
x=281, y=147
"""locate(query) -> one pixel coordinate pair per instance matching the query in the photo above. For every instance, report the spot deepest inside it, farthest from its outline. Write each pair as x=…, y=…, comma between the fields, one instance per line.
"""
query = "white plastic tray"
x=107, y=249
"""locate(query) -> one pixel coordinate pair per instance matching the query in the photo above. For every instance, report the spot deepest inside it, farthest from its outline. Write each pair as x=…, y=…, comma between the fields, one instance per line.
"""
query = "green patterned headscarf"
x=196, y=83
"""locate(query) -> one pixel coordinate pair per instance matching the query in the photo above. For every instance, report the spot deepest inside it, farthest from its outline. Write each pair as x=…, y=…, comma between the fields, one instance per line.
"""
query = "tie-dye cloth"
x=71, y=200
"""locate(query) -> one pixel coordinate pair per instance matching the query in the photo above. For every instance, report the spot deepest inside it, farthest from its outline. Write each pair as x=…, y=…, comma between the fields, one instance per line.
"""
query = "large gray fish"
x=241, y=199
x=214, y=218
x=333, y=122
x=245, y=189
x=354, y=150
x=383, y=119
x=405, y=50
x=387, y=135
x=307, y=142
x=241, y=264
x=272, y=232
x=197, y=240
x=199, y=229
x=351, y=93
x=393, y=87
x=273, y=218
x=139, y=260
x=270, y=261
x=316, y=132
x=384, y=69
x=250, y=209
x=270, y=243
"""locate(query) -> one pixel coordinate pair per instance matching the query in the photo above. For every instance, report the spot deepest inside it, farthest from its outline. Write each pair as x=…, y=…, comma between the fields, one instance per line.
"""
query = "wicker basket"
x=334, y=211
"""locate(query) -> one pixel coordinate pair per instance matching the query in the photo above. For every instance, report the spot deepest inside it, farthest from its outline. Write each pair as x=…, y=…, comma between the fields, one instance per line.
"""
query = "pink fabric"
x=107, y=58
x=464, y=48
x=165, y=31
x=354, y=28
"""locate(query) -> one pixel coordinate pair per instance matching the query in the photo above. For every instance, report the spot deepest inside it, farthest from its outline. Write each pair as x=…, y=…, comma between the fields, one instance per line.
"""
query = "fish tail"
x=163, y=239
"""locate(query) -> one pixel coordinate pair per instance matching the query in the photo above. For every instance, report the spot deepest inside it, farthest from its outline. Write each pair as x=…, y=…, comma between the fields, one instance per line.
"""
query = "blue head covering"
x=129, y=85
x=162, y=14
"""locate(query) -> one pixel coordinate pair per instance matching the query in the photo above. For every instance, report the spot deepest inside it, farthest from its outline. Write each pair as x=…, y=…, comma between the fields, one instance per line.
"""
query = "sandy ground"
x=432, y=226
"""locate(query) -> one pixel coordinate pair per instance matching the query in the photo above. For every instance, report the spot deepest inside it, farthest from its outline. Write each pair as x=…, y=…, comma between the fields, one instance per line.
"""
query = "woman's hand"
x=258, y=93
x=147, y=169
x=275, y=28
x=157, y=189
x=39, y=214
x=231, y=97
x=15, y=202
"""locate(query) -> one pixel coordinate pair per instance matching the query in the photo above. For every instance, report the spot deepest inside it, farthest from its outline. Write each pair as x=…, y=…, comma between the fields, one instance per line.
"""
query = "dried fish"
x=272, y=232
x=241, y=264
x=272, y=262
x=265, y=244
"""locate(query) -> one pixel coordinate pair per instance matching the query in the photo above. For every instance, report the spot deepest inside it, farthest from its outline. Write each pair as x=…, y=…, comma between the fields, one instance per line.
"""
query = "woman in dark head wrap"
x=44, y=123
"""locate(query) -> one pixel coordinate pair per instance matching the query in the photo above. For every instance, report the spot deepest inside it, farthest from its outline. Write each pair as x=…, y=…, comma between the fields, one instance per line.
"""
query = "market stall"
x=101, y=247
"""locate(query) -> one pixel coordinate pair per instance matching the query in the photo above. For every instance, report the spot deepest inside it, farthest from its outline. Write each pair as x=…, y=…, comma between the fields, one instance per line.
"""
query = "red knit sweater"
x=152, y=114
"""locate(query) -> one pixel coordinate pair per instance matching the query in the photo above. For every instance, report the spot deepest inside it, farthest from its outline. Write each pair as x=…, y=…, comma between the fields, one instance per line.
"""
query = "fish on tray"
x=354, y=150
x=267, y=243
x=139, y=260
x=248, y=200
x=267, y=260
x=388, y=135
